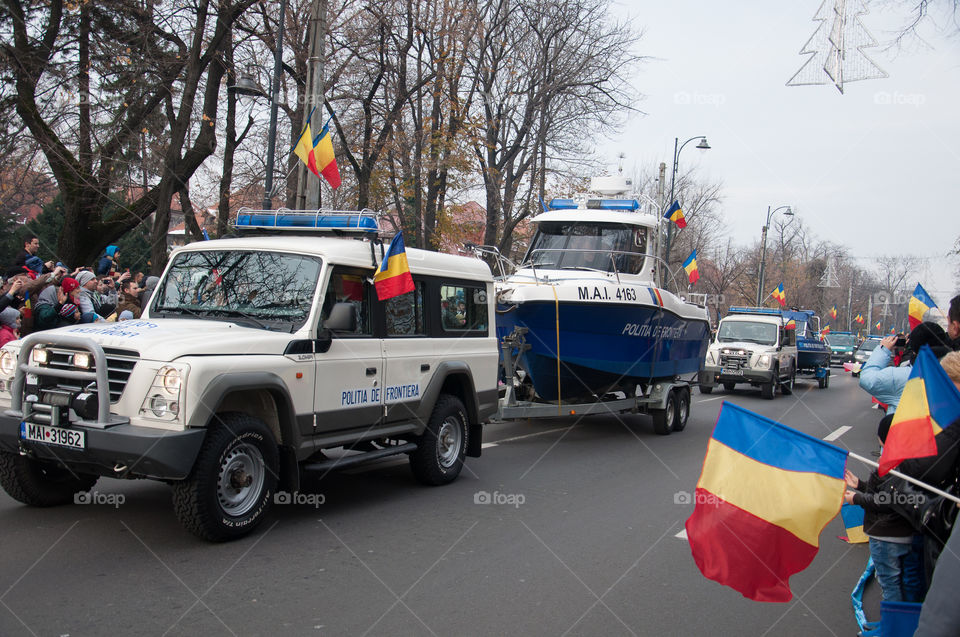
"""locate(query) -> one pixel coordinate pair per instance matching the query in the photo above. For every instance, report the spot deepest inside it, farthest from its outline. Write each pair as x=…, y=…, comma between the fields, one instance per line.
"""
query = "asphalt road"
x=579, y=537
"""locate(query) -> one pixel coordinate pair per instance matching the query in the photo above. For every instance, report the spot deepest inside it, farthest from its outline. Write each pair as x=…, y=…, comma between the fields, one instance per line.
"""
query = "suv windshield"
x=841, y=340
x=247, y=287
x=868, y=345
x=588, y=246
x=748, y=331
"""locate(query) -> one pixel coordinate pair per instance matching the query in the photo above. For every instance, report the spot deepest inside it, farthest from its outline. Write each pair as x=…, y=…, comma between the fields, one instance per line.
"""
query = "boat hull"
x=812, y=354
x=603, y=346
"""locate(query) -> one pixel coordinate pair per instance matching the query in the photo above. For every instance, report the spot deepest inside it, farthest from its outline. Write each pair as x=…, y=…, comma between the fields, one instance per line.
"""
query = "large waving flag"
x=690, y=265
x=929, y=402
x=920, y=302
x=675, y=215
x=393, y=276
x=780, y=295
x=765, y=493
x=323, y=155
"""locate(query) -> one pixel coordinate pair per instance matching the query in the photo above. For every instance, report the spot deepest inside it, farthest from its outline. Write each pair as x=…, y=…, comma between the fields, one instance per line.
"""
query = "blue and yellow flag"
x=690, y=265
x=852, y=516
x=675, y=215
x=765, y=493
x=929, y=403
x=393, y=276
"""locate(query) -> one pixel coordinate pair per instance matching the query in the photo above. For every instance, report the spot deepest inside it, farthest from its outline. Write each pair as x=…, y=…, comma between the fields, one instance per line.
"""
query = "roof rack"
x=363, y=222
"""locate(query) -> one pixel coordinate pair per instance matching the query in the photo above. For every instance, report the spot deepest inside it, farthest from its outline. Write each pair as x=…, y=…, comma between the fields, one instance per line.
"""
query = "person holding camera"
x=886, y=383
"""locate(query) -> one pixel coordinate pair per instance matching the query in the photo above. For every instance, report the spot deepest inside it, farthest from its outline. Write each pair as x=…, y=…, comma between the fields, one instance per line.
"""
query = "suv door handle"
x=425, y=367
x=371, y=371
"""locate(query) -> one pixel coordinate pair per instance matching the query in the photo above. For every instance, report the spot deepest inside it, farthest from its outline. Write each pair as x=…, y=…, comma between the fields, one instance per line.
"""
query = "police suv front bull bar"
x=67, y=340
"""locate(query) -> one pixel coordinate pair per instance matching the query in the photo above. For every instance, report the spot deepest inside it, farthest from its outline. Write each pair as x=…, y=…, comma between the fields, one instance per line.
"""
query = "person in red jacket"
x=9, y=325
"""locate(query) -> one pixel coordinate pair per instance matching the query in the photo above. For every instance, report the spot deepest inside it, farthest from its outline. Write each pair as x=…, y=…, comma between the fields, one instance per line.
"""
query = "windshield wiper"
x=245, y=315
x=182, y=309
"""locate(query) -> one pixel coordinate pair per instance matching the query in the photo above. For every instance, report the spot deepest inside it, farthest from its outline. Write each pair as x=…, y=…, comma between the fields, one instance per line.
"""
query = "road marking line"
x=836, y=434
x=537, y=433
x=682, y=534
x=487, y=445
x=706, y=400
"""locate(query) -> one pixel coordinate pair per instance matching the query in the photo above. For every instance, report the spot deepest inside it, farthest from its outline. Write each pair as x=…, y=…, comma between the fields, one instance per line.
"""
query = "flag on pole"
x=920, y=302
x=765, y=493
x=878, y=326
x=324, y=157
x=825, y=330
x=780, y=295
x=690, y=265
x=833, y=312
x=929, y=402
x=791, y=325
x=675, y=215
x=304, y=148
x=858, y=318
x=393, y=277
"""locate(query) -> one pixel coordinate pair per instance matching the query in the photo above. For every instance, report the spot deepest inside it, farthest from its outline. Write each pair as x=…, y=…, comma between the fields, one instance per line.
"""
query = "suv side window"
x=350, y=285
x=404, y=313
x=463, y=308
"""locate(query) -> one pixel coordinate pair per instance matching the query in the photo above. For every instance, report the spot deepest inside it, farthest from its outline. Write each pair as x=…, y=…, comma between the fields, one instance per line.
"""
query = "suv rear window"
x=463, y=308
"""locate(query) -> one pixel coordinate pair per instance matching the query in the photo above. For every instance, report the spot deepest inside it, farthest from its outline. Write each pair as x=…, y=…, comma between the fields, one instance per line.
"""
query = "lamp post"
x=274, y=96
x=703, y=145
x=763, y=243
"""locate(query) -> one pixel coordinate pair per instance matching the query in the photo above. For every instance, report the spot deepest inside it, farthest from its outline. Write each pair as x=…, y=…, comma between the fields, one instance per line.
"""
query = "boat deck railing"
x=613, y=255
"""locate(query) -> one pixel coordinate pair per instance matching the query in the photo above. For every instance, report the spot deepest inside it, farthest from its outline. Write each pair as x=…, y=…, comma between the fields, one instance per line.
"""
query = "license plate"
x=732, y=372
x=69, y=438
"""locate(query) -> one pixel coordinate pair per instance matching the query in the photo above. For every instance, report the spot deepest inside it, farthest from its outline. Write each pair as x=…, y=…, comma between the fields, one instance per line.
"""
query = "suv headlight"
x=8, y=364
x=165, y=395
x=764, y=361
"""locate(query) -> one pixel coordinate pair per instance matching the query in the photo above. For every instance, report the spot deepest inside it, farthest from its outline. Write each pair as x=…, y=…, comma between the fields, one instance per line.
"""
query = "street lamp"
x=703, y=145
x=763, y=242
x=274, y=97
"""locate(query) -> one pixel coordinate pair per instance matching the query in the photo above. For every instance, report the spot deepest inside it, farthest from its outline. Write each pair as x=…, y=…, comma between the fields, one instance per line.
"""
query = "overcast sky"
x=876, y=168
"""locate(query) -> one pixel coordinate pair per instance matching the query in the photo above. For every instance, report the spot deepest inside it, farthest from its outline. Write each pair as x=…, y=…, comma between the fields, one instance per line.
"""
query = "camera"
x=901, y=342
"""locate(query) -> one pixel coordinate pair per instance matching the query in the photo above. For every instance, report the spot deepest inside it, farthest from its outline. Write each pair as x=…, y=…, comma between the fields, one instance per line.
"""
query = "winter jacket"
x=7, y=334
x=879, y=519
x=882, y=382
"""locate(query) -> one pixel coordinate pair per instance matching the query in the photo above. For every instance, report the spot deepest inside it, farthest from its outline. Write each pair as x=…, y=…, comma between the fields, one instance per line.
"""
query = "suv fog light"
x=39, y=356
x=158, y=405
x=84, y=360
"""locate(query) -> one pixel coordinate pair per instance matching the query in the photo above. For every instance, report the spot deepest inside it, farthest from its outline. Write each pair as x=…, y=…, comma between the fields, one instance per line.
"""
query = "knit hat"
x=67, y=310
x=69, y=284
x=9, y=317
x=85, y=277
x=35, y=263
x=125, y=315
x=929, y=333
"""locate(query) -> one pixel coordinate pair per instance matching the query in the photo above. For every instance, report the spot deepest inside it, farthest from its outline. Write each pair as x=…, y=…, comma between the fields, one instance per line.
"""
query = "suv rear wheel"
x=441, y=448
x=233, y=480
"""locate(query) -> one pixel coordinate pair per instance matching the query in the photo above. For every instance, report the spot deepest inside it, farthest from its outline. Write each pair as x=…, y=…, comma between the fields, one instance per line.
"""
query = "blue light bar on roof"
x=319, y=221
x=562, y=204
x=613, y=204
x=755, y=310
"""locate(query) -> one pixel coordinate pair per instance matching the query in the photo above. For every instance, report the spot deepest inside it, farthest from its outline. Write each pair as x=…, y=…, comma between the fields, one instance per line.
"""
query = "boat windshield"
x=269, y=290
x=841, y=340
x=747, y=331
x=868, y=345
x=588, y=246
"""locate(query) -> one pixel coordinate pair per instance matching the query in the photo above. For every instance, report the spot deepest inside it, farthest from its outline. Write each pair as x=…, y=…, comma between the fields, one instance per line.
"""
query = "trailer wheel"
x=706, y=389
x=824, y=382
x=787, y=388
x=663, y=419
x=683, y=409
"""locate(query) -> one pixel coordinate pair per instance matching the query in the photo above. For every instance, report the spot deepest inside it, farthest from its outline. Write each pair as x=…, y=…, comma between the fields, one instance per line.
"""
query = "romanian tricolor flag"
x=791, y=325
x=920, y=302
x=878, y=326
x=833, y=312
x=690, y=265
x=825, y=330
x=304, y=148
x=765, y=493
x=675, y=215
x=858, y=318
x=929, y=402
x=323, y=154
x=780, y=295
x=852, y=516
x=393, y=276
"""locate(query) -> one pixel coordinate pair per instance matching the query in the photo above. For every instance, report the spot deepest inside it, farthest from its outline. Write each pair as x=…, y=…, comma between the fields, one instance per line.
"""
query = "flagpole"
x=922, y=485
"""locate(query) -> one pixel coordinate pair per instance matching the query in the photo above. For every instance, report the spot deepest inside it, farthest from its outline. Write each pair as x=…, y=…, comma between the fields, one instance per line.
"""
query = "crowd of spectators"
x=39, y=295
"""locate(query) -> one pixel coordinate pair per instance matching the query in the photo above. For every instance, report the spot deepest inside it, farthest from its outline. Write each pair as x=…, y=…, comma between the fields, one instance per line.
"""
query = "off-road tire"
x=664, y=419
x=768, y=390
x=442, y=447
x=786, y=388
x=683, y=409
x=41, y=484
x=207, y=502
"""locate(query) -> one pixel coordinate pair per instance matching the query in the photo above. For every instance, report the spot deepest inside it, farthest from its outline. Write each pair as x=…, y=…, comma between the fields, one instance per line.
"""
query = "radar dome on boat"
x=611, y=185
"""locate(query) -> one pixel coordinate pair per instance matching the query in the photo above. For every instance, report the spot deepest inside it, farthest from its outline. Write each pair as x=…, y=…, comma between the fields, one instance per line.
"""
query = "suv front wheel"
x=41, y=484
x=440, y=451
x=233, y=480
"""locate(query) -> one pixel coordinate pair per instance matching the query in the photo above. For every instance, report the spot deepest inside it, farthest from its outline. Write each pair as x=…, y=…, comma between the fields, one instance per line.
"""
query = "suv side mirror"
x=343, y=318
